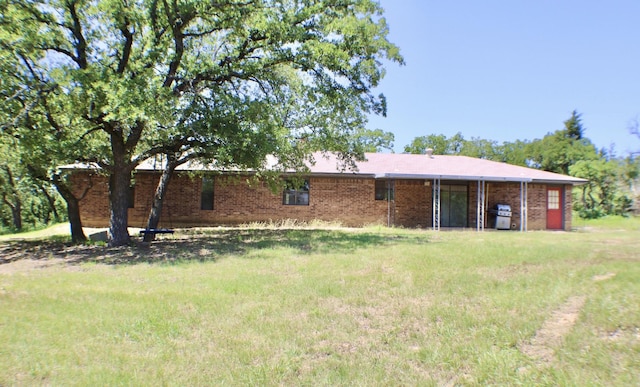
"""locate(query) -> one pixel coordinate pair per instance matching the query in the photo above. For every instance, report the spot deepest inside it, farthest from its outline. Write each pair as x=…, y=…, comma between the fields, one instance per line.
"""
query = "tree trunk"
x=16, y=211
x=16, y=214
x=119, y=182
x=158, y=199
x=16, y=204
x=52, y=203
x=73, y=211
x=73, y=206
x=75, y=223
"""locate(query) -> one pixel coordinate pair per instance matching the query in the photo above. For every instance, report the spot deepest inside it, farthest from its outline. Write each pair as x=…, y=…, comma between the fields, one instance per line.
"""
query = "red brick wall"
x=568, y=207
x=94, y=206
x=350, y=201
x=537, y=208
x=413, y=203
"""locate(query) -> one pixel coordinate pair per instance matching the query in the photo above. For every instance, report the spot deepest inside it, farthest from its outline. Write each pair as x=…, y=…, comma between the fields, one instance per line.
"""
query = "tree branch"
x=50, y=118
x=172, y=147
x=80, y=43
x=128, y=44
x=61, y=51
x=177, y=23
x=134, y=135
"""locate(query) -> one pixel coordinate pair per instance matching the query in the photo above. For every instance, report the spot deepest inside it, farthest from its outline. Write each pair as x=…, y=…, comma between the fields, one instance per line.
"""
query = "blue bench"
x=155, y=231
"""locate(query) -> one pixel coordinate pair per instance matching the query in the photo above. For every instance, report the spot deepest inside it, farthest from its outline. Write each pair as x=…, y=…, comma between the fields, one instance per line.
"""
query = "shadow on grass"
x=203, y=245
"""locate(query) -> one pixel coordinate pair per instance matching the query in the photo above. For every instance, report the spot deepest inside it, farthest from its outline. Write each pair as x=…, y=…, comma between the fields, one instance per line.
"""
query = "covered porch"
x=451, y=202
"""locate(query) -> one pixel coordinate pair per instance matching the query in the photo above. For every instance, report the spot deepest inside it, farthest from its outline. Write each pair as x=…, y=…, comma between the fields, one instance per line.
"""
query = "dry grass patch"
x=603, y=277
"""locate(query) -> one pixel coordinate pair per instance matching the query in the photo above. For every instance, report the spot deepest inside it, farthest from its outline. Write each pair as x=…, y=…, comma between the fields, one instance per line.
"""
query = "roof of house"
x=403, y=166
x=411, y=166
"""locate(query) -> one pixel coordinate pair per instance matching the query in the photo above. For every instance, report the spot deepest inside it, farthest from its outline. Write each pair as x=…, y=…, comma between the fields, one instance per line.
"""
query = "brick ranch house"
x=418, y=191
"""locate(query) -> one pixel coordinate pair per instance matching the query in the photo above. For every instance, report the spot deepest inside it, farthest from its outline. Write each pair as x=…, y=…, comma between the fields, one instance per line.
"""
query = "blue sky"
x=513, y=69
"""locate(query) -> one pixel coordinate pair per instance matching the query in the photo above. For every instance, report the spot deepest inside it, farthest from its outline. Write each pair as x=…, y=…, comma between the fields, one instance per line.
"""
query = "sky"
x=509, y=70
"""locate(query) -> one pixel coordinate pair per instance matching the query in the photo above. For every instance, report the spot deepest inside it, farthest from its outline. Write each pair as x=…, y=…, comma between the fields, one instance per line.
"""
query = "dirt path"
x=553, y=331
x=556, y=327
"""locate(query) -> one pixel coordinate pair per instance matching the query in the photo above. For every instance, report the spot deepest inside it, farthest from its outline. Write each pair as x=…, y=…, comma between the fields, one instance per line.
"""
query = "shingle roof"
x=410, y=166
x=406, y=166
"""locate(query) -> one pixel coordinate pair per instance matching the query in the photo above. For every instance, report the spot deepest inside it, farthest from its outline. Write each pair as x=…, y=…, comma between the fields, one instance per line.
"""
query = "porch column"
x=480, y=206
x=436, y=204
x=391, y=187
x=524, y=186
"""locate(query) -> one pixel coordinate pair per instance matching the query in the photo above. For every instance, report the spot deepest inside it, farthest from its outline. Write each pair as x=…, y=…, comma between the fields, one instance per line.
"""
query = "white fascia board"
x=452, y=177
x=561, y=182
x=344, y=174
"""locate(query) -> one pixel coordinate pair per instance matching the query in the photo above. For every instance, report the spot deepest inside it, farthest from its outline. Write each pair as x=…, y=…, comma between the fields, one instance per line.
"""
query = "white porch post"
x=390, y=183
x=480, y=206
x=524, y=186
x=436, y=204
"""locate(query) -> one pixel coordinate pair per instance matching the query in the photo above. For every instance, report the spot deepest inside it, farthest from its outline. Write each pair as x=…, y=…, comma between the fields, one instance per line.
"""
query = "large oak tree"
x=230, y=80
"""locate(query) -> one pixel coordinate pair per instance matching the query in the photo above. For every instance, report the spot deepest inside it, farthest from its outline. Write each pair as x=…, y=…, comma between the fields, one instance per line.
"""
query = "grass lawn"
x=372, y=306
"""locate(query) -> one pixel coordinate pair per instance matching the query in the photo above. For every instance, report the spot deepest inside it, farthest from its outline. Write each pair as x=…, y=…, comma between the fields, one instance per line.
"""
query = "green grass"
x=611, y=222
x=60, y=229
x=374, y=306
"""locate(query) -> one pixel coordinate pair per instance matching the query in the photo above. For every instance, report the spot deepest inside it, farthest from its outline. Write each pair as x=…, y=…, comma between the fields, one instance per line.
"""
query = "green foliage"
x=440, y=144
x=567, y=151
x=25, y=202
x=513, y=153
x=605, y=193
x=374, y=140
x=557, y=152
x=480, y=148
x=573, y=126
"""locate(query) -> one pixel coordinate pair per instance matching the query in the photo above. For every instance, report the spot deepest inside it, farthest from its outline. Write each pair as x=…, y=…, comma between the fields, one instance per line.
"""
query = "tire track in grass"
x=553, y=330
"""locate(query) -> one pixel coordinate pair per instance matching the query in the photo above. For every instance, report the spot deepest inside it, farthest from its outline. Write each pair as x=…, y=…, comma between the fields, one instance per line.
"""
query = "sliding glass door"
x=453, y=205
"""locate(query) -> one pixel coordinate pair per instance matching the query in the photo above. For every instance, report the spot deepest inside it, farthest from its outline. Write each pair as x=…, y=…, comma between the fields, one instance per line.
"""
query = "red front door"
x=554, y=209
